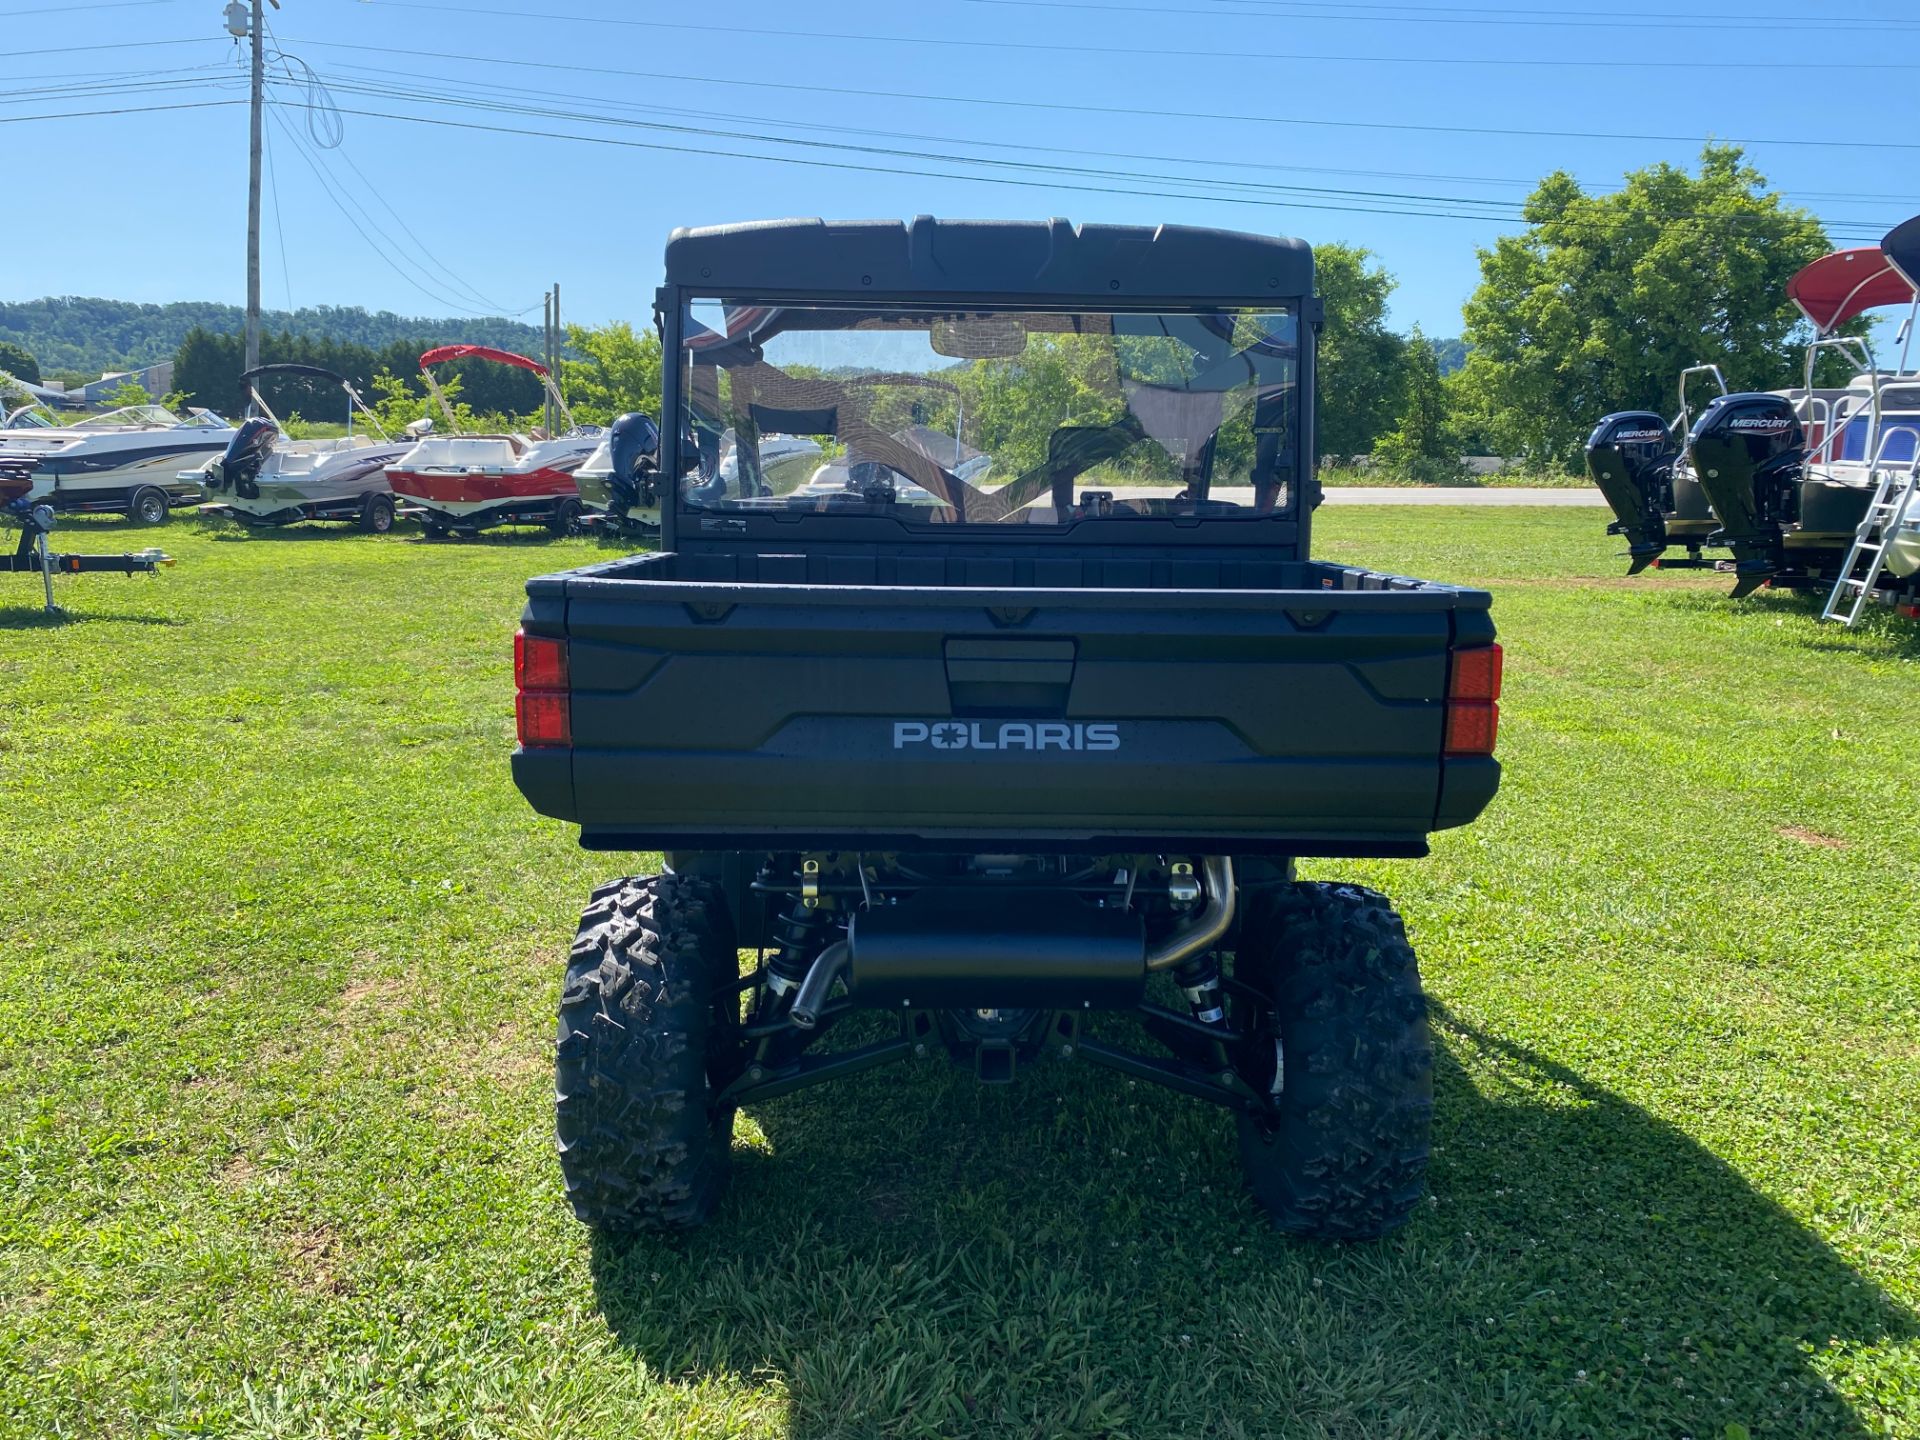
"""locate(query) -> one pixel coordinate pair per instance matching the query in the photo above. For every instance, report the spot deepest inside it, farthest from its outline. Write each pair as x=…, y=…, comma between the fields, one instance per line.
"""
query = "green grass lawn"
x=281, y=945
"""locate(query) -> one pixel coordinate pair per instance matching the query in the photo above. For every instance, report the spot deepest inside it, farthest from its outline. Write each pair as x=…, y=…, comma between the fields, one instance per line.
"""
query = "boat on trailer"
x=270, y=480
x=467, y=482
x=126, y=461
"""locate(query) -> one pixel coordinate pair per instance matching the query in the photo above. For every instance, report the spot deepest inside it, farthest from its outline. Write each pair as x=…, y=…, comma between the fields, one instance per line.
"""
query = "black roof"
x=1902, y=247
x=1042, y=259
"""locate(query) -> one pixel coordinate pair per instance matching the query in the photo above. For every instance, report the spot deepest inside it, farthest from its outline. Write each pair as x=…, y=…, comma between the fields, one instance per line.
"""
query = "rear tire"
x=149, y=506
x=1346, y=1157
x=376, y=516
x=648, y=1036
x=566, y=513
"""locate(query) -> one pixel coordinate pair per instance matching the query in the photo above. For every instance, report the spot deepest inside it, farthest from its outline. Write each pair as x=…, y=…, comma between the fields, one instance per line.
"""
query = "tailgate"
x=806, y=717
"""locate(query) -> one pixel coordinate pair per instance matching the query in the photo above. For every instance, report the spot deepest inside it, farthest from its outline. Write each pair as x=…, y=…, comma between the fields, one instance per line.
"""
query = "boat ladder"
x=1897, y=485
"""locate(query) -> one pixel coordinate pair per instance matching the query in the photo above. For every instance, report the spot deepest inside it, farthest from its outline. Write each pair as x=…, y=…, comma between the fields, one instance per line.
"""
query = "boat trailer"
x=33, y=554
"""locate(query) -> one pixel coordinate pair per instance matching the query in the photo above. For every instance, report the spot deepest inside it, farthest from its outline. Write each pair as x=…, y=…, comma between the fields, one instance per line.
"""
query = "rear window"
x=937, y=416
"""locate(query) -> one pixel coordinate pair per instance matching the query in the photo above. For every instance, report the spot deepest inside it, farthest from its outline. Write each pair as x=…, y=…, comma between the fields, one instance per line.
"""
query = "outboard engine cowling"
x=1630, y=456
x=1749, y=452
x=635, y=450
x=246, y=453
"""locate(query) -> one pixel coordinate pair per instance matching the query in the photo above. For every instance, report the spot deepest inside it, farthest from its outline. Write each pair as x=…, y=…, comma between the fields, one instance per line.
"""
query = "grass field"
x=281, y=945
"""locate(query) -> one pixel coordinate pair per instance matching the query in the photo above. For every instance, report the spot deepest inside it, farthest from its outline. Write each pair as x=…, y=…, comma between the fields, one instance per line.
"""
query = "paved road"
x=1585, y=497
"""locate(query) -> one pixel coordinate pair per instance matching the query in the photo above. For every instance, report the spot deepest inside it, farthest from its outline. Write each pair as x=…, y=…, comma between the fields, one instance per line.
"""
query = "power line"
x=346, y=205
x=44, y=94
x=1506, y=212
x=1047, y=184
x=414, y=93
x=1621, y=16
x=1155, y=52
x=41, y=10
x=279, y=231
x=119, y=45
x=123, y=110
x=1853, y=25
x=415, y=75
x=320, y=105
x=1135, y=111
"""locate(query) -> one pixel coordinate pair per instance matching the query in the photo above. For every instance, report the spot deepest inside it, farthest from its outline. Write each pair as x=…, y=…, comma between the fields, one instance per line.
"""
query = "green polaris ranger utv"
x=1007, y=718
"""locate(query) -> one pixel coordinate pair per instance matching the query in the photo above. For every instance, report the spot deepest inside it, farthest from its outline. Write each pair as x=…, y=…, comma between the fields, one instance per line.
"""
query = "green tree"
x=1422, y=445
x=19, y=363
x=1604, y=299
x=127, y=392
x=618, y=371
x=1358, y=381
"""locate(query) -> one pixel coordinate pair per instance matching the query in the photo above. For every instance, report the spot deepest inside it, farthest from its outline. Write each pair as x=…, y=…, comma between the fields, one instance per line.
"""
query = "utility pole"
x=253, y=191
x=546, y=358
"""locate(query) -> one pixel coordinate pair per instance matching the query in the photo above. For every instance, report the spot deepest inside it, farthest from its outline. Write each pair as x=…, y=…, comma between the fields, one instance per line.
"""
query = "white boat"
x=266, y=479
x=126, y=461
x=619, y=482
x=467, y=482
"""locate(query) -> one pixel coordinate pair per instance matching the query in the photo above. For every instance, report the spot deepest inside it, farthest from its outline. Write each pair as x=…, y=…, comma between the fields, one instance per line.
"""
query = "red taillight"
x=543, y=710
x=1473, y=695
x=539, y=662
x=1476, y=674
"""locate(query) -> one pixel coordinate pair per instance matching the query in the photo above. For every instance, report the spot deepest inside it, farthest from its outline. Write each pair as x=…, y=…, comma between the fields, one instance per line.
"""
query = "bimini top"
x=1016, y=259
x=1902, y=248
x=1837, y=287
x=479, y=352
x=310, y=372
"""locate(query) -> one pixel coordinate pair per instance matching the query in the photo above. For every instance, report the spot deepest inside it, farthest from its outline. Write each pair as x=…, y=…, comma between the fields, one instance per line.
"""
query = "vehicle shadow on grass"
x=1074, y=1256
x=24, y=617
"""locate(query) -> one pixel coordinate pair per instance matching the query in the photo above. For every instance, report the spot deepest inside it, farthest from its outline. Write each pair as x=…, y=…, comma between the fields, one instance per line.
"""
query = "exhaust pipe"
x=818, y=983
x=942, y=949
x=1214, y=920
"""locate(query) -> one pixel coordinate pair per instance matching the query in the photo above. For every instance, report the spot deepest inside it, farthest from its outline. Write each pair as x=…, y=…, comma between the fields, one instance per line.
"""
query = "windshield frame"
x=691, y=526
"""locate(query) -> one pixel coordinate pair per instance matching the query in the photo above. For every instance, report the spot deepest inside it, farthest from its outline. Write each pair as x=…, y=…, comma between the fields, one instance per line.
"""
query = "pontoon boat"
x=1797, y=483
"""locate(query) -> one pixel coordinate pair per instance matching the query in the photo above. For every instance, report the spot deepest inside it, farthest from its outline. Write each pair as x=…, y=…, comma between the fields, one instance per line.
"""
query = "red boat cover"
x=479, y=352
x=1902, y=247
x=1837, y=287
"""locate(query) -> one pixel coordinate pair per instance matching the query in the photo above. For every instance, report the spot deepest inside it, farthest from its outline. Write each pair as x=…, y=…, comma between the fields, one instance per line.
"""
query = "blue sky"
x=151, y=206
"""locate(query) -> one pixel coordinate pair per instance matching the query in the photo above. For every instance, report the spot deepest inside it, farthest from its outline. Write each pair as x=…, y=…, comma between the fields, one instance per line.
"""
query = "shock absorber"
x=797, y=933
x=1199, y=978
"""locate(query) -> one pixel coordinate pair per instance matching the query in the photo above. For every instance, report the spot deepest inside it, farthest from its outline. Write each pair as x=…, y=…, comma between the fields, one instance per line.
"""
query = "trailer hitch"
x=33, y=555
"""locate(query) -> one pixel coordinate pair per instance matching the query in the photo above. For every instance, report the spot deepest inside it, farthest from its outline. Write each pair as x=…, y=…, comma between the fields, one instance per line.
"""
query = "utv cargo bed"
x=826, y=699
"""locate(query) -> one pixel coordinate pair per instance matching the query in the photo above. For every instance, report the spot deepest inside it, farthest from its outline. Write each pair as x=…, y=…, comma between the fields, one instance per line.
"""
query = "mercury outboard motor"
x=1630, y=456
x=1748, y=451
x=635, y=449
x=246, y=453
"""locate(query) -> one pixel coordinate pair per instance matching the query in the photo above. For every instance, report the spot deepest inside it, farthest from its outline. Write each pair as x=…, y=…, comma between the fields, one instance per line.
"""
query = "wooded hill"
x=85, y=335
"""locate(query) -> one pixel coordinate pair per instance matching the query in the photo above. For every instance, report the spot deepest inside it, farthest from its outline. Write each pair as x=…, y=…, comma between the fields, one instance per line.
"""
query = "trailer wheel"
x=566, y=514
x=1345, y=1029
x=435, y=530
x=648, y=1036
x=149, y=506
x=376, y=516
